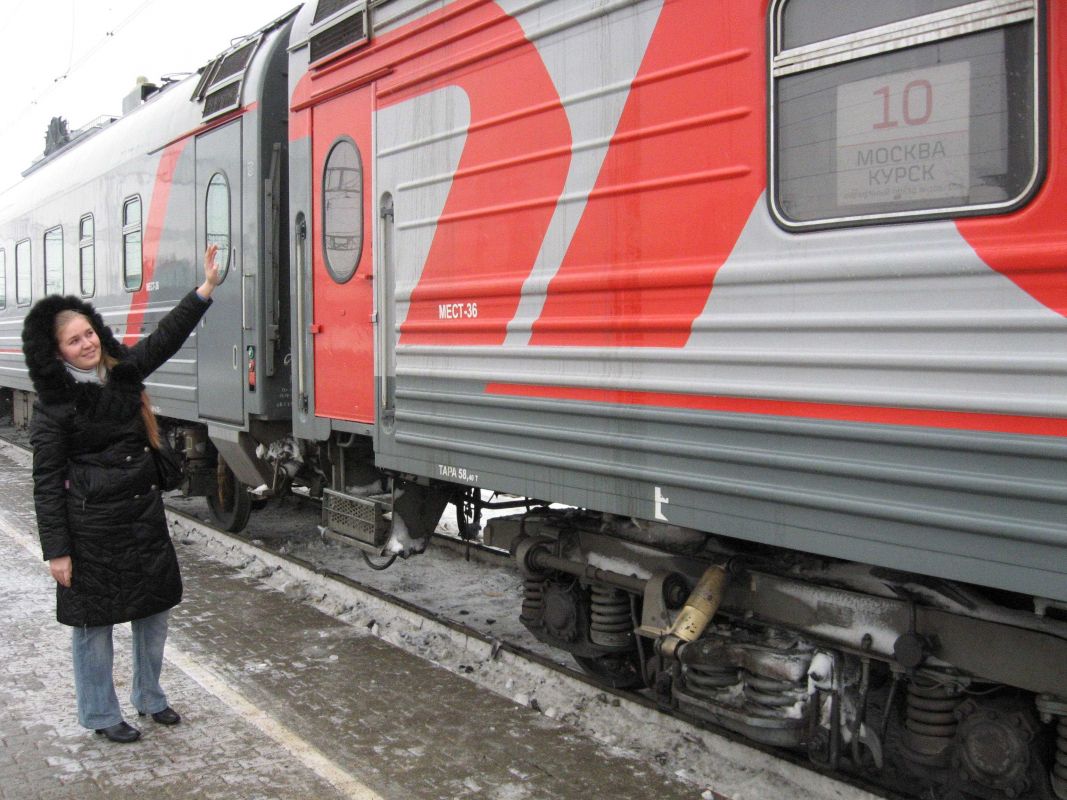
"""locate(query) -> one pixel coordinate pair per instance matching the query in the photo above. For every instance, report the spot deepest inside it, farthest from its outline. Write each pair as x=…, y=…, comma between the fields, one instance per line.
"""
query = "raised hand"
x=212, y=274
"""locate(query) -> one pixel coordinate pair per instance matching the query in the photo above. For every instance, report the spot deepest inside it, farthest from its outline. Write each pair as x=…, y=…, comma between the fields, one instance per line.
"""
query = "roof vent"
x=338, y=24
x=221, y=80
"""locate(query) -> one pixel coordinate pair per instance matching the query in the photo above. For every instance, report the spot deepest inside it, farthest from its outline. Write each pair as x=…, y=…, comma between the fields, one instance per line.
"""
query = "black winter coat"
x=95, y=480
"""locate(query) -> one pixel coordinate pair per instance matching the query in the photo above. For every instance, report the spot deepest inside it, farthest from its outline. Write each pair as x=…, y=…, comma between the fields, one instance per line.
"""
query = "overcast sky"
x=77, y=59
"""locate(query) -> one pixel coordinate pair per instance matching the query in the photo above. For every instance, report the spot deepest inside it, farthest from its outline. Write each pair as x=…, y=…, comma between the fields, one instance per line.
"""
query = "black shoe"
x=168, y=716
x=120, y=732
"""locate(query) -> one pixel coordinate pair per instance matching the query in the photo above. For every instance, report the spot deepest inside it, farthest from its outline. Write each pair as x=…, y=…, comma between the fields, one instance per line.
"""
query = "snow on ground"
x=478, y=593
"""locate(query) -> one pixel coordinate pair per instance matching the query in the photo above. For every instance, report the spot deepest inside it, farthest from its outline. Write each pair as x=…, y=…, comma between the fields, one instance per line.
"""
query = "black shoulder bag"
x=168, y=465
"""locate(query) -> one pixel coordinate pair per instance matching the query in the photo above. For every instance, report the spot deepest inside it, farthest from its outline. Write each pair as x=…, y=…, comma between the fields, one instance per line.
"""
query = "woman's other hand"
x=212, y=275
x=62, y=570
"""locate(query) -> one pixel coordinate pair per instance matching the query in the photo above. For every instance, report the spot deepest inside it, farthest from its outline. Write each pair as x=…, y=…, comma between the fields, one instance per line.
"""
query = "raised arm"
x=175, y=327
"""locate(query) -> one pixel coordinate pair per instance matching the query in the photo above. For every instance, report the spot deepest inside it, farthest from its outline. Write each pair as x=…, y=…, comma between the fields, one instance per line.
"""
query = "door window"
x=342, y=210
x=217, y=223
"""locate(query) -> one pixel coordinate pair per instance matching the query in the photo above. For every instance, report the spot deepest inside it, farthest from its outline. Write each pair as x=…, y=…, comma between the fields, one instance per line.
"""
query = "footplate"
x=360, y=521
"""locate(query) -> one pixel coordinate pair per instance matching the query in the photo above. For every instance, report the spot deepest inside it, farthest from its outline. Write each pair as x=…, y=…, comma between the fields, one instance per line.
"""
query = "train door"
x=219, y=342
x=341, y=329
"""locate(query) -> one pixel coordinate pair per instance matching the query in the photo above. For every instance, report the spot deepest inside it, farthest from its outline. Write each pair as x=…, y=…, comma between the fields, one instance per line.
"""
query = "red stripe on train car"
x=874, y=415
x=511, y=172
x=683, y=172
x=510, y=175
x=157, y=213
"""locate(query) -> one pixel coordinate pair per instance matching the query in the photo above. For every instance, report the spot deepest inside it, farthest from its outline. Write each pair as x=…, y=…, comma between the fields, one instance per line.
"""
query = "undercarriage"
x=929, y=688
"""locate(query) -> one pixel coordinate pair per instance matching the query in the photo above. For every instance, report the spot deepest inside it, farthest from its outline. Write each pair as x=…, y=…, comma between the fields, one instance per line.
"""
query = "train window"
x=930, y=109
x=342, y=210
x=53, y=261
x=3, y=278
x=23, y=293
x=131, y=244
x=87, y=255
x=217, y=222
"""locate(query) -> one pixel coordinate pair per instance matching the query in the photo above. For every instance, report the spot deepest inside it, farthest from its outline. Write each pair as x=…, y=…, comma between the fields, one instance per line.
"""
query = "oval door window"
x=218, y=220
x=342, y=210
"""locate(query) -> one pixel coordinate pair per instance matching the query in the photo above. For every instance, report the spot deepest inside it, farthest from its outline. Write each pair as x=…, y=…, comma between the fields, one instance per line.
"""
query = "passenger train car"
x=761, y=305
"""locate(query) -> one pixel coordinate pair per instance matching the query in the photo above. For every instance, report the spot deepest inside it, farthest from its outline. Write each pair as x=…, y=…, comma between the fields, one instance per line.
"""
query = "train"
x=747, y=320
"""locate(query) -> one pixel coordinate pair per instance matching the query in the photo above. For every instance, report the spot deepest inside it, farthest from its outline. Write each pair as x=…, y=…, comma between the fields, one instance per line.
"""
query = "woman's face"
x=78, y=343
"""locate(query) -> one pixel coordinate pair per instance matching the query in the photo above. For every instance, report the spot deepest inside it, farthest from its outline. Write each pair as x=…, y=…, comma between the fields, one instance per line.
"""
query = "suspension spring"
x=929, y=710
x=533, y=603
x=772, y=692
x=707, y=680
x=1059, y=771
x=612, y=623
x=930, y=722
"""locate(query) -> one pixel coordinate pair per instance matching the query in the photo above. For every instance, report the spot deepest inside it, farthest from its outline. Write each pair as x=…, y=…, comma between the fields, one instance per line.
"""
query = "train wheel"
x=231, y=504
x=617, y=670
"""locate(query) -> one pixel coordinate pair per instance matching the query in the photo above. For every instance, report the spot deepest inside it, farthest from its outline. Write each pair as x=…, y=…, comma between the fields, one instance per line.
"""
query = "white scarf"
x=90, y=375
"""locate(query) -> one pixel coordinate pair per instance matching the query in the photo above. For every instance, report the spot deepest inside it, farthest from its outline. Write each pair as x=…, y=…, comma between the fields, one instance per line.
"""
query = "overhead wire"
x=107, y=38
x=73, y=27
x=73, y=66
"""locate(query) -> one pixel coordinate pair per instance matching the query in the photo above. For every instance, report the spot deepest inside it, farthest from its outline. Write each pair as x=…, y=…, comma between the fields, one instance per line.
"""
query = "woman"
x=99, y=509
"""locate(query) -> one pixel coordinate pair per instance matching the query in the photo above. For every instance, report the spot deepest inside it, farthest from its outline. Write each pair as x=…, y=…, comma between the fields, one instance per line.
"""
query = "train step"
x=362, y=521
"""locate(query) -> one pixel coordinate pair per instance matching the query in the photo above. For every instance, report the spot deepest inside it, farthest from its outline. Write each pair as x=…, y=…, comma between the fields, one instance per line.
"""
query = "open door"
x=219, y=341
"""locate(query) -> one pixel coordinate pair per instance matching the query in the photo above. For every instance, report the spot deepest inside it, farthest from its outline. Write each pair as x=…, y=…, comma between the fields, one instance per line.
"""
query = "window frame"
x=128, y=229
x=897, y=36
x=44, y=257
x=86, y=243
x=334, y=274
x=28, y=267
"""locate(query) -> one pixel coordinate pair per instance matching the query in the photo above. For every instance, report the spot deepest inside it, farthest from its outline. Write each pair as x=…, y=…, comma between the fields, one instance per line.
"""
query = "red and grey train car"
x=763, y=302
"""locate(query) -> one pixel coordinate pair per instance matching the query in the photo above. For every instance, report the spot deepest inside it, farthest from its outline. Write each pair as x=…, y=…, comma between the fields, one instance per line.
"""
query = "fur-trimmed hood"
x=51, y=380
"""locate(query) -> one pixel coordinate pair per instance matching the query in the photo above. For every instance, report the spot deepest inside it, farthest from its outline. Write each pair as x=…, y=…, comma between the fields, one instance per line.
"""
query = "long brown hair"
x=107, y=361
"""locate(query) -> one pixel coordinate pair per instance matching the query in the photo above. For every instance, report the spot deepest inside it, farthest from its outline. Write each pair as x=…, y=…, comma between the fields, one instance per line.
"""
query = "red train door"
x=342, y=263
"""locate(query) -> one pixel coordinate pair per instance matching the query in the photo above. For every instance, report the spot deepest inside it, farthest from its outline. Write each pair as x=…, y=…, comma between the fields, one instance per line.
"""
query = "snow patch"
x=400, y=542
x=618, y=565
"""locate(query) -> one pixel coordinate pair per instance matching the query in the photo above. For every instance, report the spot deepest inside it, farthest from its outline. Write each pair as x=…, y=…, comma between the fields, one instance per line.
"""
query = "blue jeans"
x=98, y=706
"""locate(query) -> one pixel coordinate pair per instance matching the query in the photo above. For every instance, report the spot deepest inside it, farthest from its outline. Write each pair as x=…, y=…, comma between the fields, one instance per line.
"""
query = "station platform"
x=278, y=700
